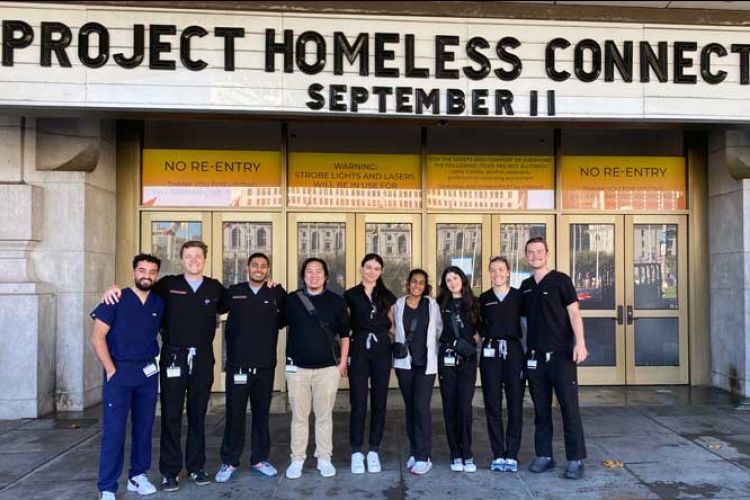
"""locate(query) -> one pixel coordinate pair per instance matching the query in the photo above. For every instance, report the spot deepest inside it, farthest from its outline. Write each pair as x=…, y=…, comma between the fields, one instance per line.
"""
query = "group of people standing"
x=361, y=335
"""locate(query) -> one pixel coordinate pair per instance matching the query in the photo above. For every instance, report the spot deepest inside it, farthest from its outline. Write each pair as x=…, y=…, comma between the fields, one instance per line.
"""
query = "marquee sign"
x=105, y=57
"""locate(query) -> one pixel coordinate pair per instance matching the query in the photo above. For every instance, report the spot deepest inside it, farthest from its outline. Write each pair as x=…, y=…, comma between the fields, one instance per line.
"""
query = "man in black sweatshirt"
x=256, y=314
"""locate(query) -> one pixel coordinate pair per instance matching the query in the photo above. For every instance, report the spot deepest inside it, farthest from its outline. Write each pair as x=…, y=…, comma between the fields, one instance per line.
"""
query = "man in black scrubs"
x=193, y=302
x=256, y=313
x=556, y=344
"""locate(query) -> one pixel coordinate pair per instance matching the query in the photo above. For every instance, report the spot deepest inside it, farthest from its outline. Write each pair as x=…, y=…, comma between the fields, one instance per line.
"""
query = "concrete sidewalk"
x=674, y=442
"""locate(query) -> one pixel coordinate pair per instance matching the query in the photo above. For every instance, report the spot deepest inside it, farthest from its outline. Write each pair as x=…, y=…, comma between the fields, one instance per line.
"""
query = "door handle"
x=619, y=315
x=630, y=315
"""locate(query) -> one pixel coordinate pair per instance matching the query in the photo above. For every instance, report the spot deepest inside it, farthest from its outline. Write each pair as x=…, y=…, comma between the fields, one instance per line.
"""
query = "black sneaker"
x=169, y=483
x=200, y=477
x=574, y=470
x=542, y=464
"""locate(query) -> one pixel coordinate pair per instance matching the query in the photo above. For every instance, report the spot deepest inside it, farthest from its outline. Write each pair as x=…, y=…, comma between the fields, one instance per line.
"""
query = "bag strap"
x=454, y=322
x=412, y=329
x=307, y=303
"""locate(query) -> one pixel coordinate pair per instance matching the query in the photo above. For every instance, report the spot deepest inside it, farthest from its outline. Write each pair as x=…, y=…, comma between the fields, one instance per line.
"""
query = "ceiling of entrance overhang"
x=660, y=5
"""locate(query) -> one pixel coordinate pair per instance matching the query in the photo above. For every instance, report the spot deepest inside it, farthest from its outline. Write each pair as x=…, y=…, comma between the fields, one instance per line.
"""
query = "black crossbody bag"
x=332, y=340
x=400, y=350
x=463, y=347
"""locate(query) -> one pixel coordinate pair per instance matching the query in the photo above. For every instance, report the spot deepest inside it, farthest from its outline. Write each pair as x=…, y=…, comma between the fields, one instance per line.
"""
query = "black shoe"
x=542, y=464
x=574, y=470
x=169, y=483
x=200, y=477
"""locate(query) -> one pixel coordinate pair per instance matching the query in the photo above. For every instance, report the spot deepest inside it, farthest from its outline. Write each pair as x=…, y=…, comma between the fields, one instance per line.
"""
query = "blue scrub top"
x=133, y=326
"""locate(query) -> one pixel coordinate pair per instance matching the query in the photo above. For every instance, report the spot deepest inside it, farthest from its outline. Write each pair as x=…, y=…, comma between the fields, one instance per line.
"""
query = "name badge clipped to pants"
x=150, y=369
x=531, y=364
x=240, y=378
x=449, y=360
x=174, y=372
x=290, y=366
x=488, y=352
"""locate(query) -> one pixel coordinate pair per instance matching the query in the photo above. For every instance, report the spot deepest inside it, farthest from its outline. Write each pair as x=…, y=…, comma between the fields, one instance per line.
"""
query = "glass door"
x=656, y=299
x=510, y=234
x=235, y=236
x=593, y=257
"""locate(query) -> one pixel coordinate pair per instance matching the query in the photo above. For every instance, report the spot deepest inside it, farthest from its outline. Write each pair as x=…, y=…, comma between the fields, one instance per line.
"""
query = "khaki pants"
x=312, y=388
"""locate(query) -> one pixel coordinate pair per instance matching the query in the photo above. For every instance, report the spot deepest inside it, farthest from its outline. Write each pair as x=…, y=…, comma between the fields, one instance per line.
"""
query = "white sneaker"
x=358, y=463
x=225, y=473
x=421, y=467
x=410, y=463
x=469, y=465
x=294, y=471
x=457, y=465
x=106, y=495
x=373, y=462
x=326, y=468
x=141, y=484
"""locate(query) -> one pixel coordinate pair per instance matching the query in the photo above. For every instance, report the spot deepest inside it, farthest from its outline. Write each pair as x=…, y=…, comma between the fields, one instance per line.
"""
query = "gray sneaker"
x=542, y=464
x=574, y=470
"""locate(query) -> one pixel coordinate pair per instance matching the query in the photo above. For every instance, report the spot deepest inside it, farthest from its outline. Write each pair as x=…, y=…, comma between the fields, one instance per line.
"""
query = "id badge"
x=488, y=352
x=150, y=369
x=349, y=361
x=531, y=364
x=240, y=378
x=291, y=368
x=174, y=372
x=449, y=361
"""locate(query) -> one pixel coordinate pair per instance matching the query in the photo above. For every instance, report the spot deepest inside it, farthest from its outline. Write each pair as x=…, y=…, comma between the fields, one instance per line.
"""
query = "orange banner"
x=498, y=172
x=211, y=168
x=354, y=170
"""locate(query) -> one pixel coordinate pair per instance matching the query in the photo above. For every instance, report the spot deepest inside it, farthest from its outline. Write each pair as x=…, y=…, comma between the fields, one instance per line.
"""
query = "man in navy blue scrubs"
x=124, y=340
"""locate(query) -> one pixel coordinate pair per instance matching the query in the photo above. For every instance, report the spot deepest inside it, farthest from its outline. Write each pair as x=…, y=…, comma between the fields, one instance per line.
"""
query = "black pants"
x=258, y=388
x=372, y=364
x=416, y=388
x=457, y=390
x=558, y=374
x=197, y=388
x=507, y=375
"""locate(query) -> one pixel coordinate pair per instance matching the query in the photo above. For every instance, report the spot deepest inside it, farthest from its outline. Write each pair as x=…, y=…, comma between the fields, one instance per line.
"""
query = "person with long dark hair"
x=457, y=363
x=417, y=324
x=370, y=353
x=502, y=365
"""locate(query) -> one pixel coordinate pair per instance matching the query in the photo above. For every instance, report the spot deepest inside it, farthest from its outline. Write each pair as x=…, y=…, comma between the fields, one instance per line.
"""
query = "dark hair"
x=500, y=259
x=469, y=302
x=309, y=261
x=258, y=255
x=380, y=293
x=194, y=244
x=536, y=239
x=427, y=287
x=146, y=257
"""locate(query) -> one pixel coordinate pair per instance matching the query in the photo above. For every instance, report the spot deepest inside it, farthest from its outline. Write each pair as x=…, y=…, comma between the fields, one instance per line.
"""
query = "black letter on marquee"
x=359, y=95
x=478, y=104
x=624, y=63
x=649, y=60
x=50, y=45
x=320, y=53
x=456, y=101
x=680, y=62
x=138, y=46
x=442, y=56
x=83, y=45
x=284, y=47
x=10, y=43
x=596, y=60
x=382, y=55
x=317, y=99
x=381, y=92
x=503, y=102
x=185, y=37
x=335, y=97
x=342, y=48
x=229, y=34
x=742, y=49
x=505, y=56
x=411, y=71
x=550, y=103
x=708, y=76
x=427, y=101
x=156, y=46
x=402, y=99
x=533, y=100
x=549, y=59
x=472, y=51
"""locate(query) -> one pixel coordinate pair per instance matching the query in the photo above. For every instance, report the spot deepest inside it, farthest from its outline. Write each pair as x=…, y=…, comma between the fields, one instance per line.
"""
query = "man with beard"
x=256, y=313
x=124, y=340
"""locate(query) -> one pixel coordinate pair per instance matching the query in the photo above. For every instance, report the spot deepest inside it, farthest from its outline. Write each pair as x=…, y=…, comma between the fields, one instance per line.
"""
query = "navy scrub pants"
x=128, y=391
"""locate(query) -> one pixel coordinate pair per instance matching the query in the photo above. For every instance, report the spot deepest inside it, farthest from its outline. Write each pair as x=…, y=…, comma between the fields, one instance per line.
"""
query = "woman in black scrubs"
x=457, y=363
x=417, y=324
x=370, y=353
x=501, y=365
